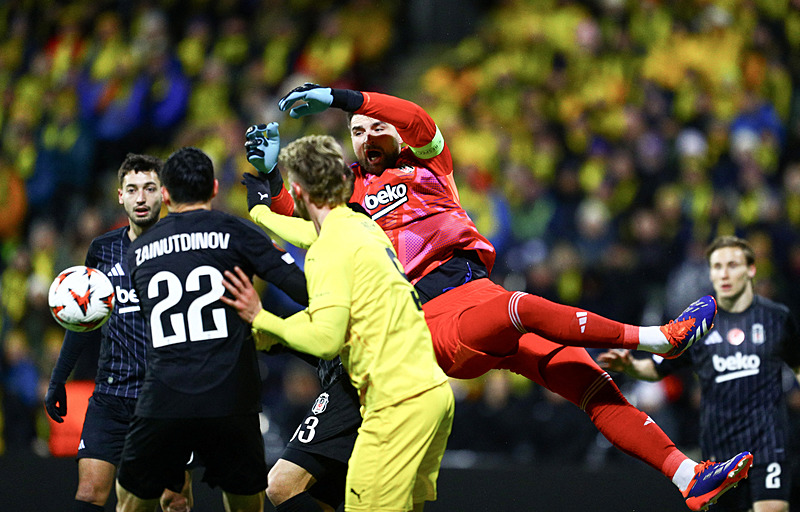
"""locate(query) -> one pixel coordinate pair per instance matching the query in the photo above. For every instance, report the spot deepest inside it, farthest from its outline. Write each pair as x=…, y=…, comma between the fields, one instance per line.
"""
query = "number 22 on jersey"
x=193, y=318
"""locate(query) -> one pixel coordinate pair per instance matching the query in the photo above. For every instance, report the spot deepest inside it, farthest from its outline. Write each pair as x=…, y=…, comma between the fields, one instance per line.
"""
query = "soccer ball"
x=81, y=298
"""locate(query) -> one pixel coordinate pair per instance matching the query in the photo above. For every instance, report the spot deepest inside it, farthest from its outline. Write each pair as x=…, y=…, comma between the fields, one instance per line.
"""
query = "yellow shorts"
x=396, y=458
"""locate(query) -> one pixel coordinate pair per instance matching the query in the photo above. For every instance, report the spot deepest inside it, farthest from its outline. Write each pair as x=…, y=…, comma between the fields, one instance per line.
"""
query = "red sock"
x=569, y=325
x=629, y=429
x=573, y=374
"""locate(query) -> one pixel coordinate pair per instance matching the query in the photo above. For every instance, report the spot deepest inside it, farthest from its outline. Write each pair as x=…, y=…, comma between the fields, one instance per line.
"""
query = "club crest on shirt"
x=736, y=337
x=757, y=334
x=321, y=404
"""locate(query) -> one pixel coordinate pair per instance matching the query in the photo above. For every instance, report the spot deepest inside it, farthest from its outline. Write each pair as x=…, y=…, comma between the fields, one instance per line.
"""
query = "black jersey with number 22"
x=201, y=358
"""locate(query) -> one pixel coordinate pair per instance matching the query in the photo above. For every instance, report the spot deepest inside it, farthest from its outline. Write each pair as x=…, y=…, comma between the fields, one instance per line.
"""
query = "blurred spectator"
x=531, y=203
x=115, y=108
x=655, y=253
x=594, y=227
x=558, y=430
x=65, y=148
x=14, y=289
x=169, y=88
x=488, y=419
x=688, y=281
x=13, y=205
x=21, y=400
x=329, y=53
x=193, y=48
x=485, y=205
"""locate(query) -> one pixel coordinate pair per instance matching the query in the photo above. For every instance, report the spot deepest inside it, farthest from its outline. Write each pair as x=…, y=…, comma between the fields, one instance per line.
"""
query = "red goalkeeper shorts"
x=467, y=341
x=473, y=332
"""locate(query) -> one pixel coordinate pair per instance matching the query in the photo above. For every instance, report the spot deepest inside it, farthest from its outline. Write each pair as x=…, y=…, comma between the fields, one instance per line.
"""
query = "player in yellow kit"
x=362, y=307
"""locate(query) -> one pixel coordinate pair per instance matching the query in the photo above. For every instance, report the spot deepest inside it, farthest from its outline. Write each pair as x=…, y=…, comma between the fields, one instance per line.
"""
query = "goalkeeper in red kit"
x=404, y=182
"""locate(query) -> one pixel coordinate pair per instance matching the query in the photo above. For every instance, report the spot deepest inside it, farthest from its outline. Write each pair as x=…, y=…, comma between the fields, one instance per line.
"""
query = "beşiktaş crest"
x=321, y=404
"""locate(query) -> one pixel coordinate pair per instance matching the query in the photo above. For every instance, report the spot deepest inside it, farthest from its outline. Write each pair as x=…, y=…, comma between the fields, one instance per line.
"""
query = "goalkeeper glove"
x=318, y=99
x=263, y=145
x=258, y=190
x=55, y=401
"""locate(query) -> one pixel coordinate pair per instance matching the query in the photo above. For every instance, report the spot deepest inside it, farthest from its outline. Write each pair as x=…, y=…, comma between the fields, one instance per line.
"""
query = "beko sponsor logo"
x=736, y=366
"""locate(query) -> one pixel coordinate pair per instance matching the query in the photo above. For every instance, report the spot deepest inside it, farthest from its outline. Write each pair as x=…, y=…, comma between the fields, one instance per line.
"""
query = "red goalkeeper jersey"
x=416, y=203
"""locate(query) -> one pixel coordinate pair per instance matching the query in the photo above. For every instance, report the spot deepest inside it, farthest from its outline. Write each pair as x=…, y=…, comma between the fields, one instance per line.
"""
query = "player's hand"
x=316, y=97
x=615, y=360
x=55, y=401
x=258, y=190
x=245, y=298
x=263, y=143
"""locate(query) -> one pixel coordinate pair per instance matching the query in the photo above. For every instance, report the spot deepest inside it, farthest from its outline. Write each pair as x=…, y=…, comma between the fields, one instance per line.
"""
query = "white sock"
x=684, y=475
x=651, y=339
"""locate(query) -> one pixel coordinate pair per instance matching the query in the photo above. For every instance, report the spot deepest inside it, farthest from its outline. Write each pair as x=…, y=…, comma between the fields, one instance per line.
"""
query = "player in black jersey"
x=120, y=368
x=739, y=365
x=310, y=474
x=201, y=390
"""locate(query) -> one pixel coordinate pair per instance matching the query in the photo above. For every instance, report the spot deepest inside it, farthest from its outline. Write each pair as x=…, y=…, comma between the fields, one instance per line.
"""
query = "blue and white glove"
x=263, y=145
x=316, y=97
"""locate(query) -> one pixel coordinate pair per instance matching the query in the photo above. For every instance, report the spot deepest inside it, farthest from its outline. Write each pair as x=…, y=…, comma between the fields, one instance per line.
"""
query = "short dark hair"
x=139, y=163
x=732, y=241
x=188, y=176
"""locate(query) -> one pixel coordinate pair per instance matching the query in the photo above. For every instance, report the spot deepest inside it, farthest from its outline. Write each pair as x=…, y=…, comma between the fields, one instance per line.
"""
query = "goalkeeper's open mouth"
x=374, y=156
x=142, y=211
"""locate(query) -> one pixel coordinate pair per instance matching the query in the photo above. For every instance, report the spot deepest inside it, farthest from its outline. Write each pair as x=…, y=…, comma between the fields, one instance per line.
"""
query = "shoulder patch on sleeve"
x=432, y=149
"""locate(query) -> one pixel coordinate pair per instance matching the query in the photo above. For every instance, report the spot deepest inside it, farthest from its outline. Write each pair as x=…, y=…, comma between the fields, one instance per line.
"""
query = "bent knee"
x=276, y=493
x=94, y=494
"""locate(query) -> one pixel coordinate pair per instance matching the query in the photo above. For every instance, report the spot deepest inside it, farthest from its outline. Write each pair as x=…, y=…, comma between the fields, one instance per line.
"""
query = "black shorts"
x=105, y=426
x=323, y=442
x=157, y=449
x=768, y=481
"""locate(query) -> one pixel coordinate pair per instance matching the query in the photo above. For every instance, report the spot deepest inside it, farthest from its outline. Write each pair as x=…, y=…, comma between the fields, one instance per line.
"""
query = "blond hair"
x=317, y=163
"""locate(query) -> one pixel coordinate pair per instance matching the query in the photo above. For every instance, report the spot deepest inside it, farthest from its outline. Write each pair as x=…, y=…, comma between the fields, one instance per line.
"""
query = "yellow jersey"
x=362, y=307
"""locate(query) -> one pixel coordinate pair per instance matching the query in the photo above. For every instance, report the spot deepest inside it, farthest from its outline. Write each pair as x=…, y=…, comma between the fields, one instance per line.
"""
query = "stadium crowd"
x=599, y=145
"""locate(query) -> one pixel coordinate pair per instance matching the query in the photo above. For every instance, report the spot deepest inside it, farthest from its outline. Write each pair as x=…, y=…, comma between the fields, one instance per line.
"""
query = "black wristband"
x=275, y=181
x=346, y=99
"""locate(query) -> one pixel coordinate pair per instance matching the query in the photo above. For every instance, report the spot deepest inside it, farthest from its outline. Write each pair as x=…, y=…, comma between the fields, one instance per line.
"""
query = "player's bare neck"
x=188, y=207
x=318, y=214
x=739, y=303
x=134, y=231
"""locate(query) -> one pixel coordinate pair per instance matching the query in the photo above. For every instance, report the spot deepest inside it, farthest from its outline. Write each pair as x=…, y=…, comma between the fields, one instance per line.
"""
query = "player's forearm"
x=71, y=349
x=414, y=125
x=643, y=369
x=321, y=336
x=298, y=232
